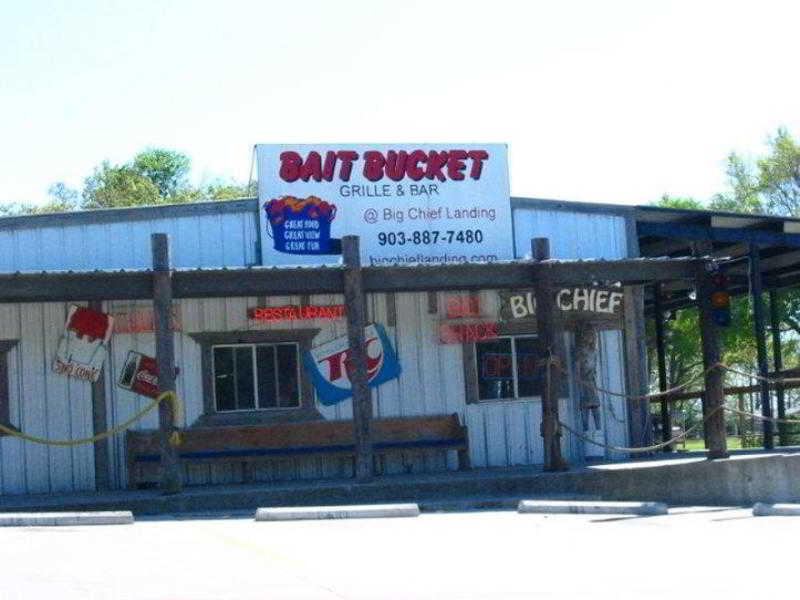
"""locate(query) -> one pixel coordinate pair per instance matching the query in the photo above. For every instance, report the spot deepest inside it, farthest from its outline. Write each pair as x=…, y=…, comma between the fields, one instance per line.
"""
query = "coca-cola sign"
x=140, y=375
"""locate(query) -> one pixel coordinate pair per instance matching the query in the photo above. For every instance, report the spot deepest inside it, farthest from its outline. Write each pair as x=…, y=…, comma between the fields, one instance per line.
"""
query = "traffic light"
x=720, y=300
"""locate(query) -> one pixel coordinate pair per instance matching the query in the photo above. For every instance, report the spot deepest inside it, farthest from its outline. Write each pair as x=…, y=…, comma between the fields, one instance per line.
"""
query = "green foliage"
x=768, y=185
x=167, y=169
x=686, y=203
x=154, y=176
x=744, y=195
x=779, y=175
x=114, y=186
x=63, y=197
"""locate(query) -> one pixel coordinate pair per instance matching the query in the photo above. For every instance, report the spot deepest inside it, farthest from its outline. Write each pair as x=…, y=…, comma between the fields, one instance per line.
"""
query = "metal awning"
x=669, y=232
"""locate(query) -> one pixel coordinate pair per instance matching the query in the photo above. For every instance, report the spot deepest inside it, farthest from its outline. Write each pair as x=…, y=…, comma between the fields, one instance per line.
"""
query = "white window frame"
x=254, y=355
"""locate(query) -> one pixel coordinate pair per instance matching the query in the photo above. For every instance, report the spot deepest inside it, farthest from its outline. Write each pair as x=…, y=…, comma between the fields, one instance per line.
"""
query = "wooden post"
x=703, y=248
x=102, y=479
x=777, y=359
x=635, y=348
x=666, y=420
x=740, y=419
x=548, y=327
x=356, y=320
x=761, y=344
x=170, y=481
x=714, y=391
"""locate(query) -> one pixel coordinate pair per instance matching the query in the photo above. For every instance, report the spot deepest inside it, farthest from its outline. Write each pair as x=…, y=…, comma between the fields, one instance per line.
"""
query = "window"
x=256, y=376
x=507, y=368
x=252, y=377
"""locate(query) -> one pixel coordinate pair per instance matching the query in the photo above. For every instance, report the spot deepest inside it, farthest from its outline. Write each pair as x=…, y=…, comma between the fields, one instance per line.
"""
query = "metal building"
x=435, y=378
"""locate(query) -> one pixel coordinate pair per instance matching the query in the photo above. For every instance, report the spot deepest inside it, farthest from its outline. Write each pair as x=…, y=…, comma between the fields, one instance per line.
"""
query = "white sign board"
x=409, y=204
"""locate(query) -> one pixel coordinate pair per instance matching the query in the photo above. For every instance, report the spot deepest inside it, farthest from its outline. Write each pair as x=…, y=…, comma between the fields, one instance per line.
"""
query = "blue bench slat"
x=437, y=443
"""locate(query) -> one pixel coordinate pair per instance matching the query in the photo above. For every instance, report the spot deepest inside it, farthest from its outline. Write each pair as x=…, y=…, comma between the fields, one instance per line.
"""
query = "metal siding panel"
x=12, y=450
x=7, y=253
x=121, y=251
x=191, y=372
x=233, y=250
x=477, y=435
x=57, y=397
x=495, y=432
x=213, y=314
x=34, y=400
x=534, y=438
x=191, y=378
x=249, y=223
x=604, y=238
x=236, y=314
x=612, y=378
x=517, y=426
x=428, y=353
x=96, y=252
x=186, y=243
x=197, y=241
x=29, y=251
x=210, y=254
x=142, y=255
x=412, y=401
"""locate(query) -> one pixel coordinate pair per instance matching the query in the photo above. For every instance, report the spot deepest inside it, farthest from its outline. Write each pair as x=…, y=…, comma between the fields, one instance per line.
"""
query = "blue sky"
x=610, y=101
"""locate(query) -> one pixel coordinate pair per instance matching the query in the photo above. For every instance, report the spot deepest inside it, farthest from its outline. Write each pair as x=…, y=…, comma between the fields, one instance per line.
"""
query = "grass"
x=695, y=445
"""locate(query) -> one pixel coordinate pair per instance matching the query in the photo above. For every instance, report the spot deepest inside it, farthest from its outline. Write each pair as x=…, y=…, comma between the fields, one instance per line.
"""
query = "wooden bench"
x=253, y=443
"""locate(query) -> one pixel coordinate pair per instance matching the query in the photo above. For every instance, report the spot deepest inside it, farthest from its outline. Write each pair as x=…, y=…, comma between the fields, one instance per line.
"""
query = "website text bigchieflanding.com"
x=405, y=259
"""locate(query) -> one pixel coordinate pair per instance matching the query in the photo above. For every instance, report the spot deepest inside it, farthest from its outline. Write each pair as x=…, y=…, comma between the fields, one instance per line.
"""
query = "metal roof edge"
x=127, y=214
x=622, y=210
x=642, y=209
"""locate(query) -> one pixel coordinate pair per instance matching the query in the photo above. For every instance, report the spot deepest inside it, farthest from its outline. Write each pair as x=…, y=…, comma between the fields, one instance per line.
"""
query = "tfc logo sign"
x=331, y=366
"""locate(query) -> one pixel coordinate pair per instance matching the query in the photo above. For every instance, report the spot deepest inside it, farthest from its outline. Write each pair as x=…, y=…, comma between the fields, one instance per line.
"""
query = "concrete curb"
x=761, y=509
x=591, y=508
x=367, y=511
x=65, y=518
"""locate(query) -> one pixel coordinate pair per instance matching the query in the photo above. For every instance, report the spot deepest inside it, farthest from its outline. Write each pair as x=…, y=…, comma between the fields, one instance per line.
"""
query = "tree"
x=682, y=202
x=768, y=185
x=117, y=186
x=167, y=169
x=63, y=196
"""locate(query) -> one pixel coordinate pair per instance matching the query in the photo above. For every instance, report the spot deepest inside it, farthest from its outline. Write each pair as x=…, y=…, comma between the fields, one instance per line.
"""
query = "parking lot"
x=701, y=551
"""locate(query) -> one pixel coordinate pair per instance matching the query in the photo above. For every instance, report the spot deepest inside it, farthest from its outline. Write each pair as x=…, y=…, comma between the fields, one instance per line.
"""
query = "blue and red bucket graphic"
x=301, y=225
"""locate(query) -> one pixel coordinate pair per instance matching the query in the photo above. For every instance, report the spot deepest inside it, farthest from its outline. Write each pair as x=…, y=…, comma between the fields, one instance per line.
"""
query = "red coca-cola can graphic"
x=140, y=375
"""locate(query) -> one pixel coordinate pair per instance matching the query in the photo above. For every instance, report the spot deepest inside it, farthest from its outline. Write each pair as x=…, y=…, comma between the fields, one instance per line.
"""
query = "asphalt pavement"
x=702, y=552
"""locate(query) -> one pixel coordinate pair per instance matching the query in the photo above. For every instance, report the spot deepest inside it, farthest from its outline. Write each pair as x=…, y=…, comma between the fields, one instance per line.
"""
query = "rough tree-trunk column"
x=356, y=320
x=714, y=392
x=170, y=481
x=548, y=326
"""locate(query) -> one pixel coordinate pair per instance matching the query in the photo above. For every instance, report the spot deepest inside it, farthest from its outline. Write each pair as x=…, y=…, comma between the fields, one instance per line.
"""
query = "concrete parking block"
x=124, y=517
x=591, y=507
x=762, y=509
x=337, y=512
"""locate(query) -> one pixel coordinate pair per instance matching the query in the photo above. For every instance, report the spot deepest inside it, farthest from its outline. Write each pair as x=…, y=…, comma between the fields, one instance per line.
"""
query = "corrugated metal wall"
x=204, y=240
x=42, y=403
x=586, y=235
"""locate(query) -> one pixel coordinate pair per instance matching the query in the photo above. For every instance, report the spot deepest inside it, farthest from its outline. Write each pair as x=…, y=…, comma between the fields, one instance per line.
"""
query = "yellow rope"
x=168, y=396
